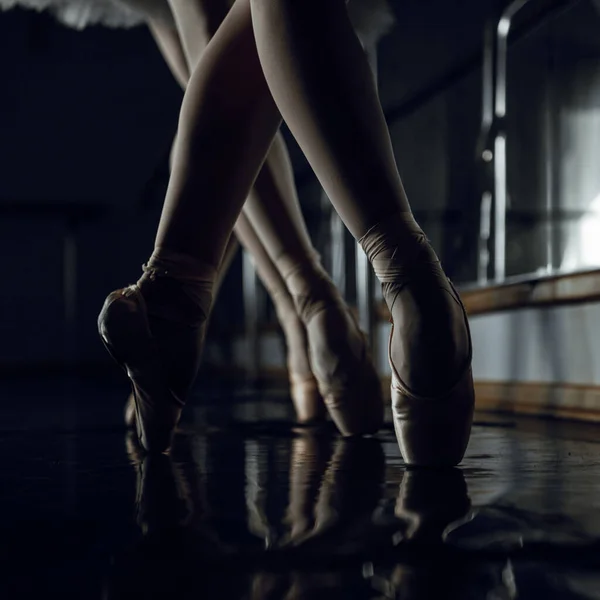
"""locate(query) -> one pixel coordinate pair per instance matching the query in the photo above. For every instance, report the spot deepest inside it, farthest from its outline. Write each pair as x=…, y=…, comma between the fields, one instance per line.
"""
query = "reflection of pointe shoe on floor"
x=429, y=501
x=333, y=498
x=429, y=504
x=163, y=499
x=430, y=345
x=339, y=356
x=154, y=331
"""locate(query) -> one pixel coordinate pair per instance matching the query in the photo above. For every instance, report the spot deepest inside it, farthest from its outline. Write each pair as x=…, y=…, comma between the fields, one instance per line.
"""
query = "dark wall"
x=86, y=122
x=85, y=119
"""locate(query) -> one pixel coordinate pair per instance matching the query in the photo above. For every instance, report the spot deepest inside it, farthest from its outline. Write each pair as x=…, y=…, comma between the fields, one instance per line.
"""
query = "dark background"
x=87, y=119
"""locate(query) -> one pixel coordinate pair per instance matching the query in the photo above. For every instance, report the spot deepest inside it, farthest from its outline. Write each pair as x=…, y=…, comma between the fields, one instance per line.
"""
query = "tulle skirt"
x=371, y=18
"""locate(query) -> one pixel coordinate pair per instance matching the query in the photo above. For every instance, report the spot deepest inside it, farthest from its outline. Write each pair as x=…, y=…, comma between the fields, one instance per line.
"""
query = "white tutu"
x=371, y=18
x=81, y=13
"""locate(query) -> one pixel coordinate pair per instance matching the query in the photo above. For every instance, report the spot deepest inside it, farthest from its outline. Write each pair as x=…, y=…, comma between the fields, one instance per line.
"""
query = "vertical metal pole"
x=250, y=292
x=338, y=251
x=549, y=165
x=494, y=95
x=364, y=273
x=500, y=171
x=500, y=208
x=500, y=195
x=487, y=152
x=485, y=227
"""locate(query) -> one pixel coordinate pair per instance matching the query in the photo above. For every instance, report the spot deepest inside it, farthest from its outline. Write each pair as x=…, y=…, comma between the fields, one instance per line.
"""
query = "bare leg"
x=321, y=81
x=277, y=203
x=347, y=379
x=227, y=124
x=197, y=22
x=167, y=40
x=155, y=328
x=337, y=346
x=169, y=43
x=228, y=116
x=339, y=360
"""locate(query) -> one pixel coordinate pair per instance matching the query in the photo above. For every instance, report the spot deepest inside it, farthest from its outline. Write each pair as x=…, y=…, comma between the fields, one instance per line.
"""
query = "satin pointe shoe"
x=154, y=330
x=304, y=389
x=430, y=348
x=339, y=356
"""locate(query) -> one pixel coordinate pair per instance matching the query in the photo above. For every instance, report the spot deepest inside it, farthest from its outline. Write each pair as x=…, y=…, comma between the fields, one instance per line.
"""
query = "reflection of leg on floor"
x=309, y=459
x=163, y=501
x=333, y=494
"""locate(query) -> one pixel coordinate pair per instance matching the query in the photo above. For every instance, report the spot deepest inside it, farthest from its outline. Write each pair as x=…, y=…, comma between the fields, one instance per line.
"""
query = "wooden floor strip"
x=558, y=400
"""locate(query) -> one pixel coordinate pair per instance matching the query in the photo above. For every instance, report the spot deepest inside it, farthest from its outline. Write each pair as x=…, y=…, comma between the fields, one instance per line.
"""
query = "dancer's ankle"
x=398, y=237
x=430, y=333
x=301, y=277
x=177, y=287
x=181, y=266
x=399, y=250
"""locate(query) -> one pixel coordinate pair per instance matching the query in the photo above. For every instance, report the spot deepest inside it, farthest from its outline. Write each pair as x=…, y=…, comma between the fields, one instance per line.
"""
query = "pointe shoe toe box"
x=434, y=432
x=347, y=378
x=153, y=408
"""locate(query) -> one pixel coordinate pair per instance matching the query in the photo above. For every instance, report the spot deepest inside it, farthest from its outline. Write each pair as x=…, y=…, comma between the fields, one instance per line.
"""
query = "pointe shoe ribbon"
x=432, y=428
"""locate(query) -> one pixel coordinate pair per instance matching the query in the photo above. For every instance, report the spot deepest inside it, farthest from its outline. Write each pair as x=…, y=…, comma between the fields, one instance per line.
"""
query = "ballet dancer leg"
x=345, y=375
x=155, y=327
x=304, y=390
x=179, y=52
x=320, y=79
x=344, y=372
x=167, y=39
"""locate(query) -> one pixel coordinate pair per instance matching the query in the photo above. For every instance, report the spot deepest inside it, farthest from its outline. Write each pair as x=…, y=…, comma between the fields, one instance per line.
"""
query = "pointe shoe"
x=160, y=357
x=125, y=331
x=306, y=398
x=304, y=390
x=339, y=357
x=429, y=349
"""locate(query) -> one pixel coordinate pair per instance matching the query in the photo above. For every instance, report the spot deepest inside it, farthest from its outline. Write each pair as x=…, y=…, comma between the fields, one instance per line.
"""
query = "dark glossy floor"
x=249, y=508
